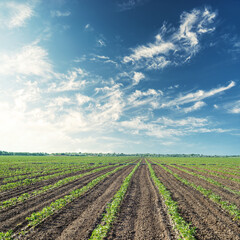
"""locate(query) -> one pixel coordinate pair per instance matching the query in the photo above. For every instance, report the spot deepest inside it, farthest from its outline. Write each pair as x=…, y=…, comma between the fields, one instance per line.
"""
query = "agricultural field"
x=60, y=197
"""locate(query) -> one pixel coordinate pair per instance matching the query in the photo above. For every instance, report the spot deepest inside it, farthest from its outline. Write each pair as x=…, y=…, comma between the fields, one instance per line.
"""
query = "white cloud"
x=70, y=82
x=101, y=43
x=137, y=77
x=29, y=60
x=234, y=107
x=174, y=47
x=189, y=121
x=59, y=102
x=81, y=99
x=194, y=107
x=168, y=129
x=15, y=14
x=149, y=51
x=197, y=96
x=125, y=5
x=88, y=27
x=57, y=13
x=104, y=59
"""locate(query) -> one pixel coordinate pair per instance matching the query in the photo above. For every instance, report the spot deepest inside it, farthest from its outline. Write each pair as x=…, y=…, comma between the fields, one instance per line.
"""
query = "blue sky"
x=120, y=76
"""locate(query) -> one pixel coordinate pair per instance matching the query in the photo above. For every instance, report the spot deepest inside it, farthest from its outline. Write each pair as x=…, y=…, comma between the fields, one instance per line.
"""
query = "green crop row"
x=210, y=180
x=218, y=169
x=38, y=217
x=23, y=197
x=100, y=232
x=184, y=229
x=216, y=174
x=29, y=181
x=231, y=208
x=33, y=174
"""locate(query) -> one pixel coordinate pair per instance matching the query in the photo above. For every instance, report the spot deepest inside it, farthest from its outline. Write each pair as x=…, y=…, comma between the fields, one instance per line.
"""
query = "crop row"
x=210, y=180
x=34, y=174
x=216, y=174
x=24, y=169
x=25, y=196
x=29, y=181
x=231, y=208
x=184, y=229
x=40, y=216
x=218, y=169
x=100, y=232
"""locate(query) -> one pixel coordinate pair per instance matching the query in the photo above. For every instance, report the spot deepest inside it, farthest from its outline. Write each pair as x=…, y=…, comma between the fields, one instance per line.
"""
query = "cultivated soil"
x=14, y=217
x=78, y=219
x=30, y=188
x=225, y=194
x=142, y=214
x=210, y=220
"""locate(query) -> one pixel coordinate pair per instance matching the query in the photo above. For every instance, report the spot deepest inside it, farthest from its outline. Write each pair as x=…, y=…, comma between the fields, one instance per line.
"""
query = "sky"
x=125, y=76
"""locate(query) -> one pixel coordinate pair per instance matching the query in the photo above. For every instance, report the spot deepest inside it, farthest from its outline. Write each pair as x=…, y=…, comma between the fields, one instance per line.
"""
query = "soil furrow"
x=16, y=215
x=30, y=188
x=225, y=194
x=79, y=218
x=226, y=182
x=142, y=214
x=210, y=220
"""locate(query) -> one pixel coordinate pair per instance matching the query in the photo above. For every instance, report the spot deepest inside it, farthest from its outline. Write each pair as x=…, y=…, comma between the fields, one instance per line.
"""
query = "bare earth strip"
x=225, y=194
x=14, y=218
x=142, y=214
x=210, y=220
x=79, y=218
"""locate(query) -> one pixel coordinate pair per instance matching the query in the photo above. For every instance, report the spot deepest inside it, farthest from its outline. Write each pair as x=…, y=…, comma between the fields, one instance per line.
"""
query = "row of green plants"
x=35, y=174
x=13, y=170
x=185, y=230
x=216, y=174
x=100, y=232
x=218, y=169
x=232, y=209
x=210, y=180
x=25, y=196
x=29, y=181
x=37, y=217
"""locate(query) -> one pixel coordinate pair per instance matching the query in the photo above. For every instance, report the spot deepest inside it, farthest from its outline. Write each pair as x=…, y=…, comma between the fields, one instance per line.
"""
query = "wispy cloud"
x=104, y=59
x=29, y=60
x=101, y=43
x=57, y=13
x=69, y=82
x=15, y=14
x=174, y=47
x=197, y=97
x=167, y=128
x=233, y=107
x=124, y=5
x=194, y=107
x=137, y=77
x=88, y=27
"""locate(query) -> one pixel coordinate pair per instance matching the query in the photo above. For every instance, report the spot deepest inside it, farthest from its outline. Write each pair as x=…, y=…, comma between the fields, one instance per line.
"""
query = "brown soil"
x=224, y=174
x=231, y=184
x=225, y=194
x=142, y=214
x=30, y=188
x=79, y=218
x=14, y=218
x=210, y=220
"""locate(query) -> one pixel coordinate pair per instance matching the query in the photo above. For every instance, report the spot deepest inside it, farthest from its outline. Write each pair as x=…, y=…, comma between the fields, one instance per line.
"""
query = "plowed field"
x=143, y=214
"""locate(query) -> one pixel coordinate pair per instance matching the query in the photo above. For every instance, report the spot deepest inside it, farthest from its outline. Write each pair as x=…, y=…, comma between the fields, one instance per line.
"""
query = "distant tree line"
x=5, y=153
